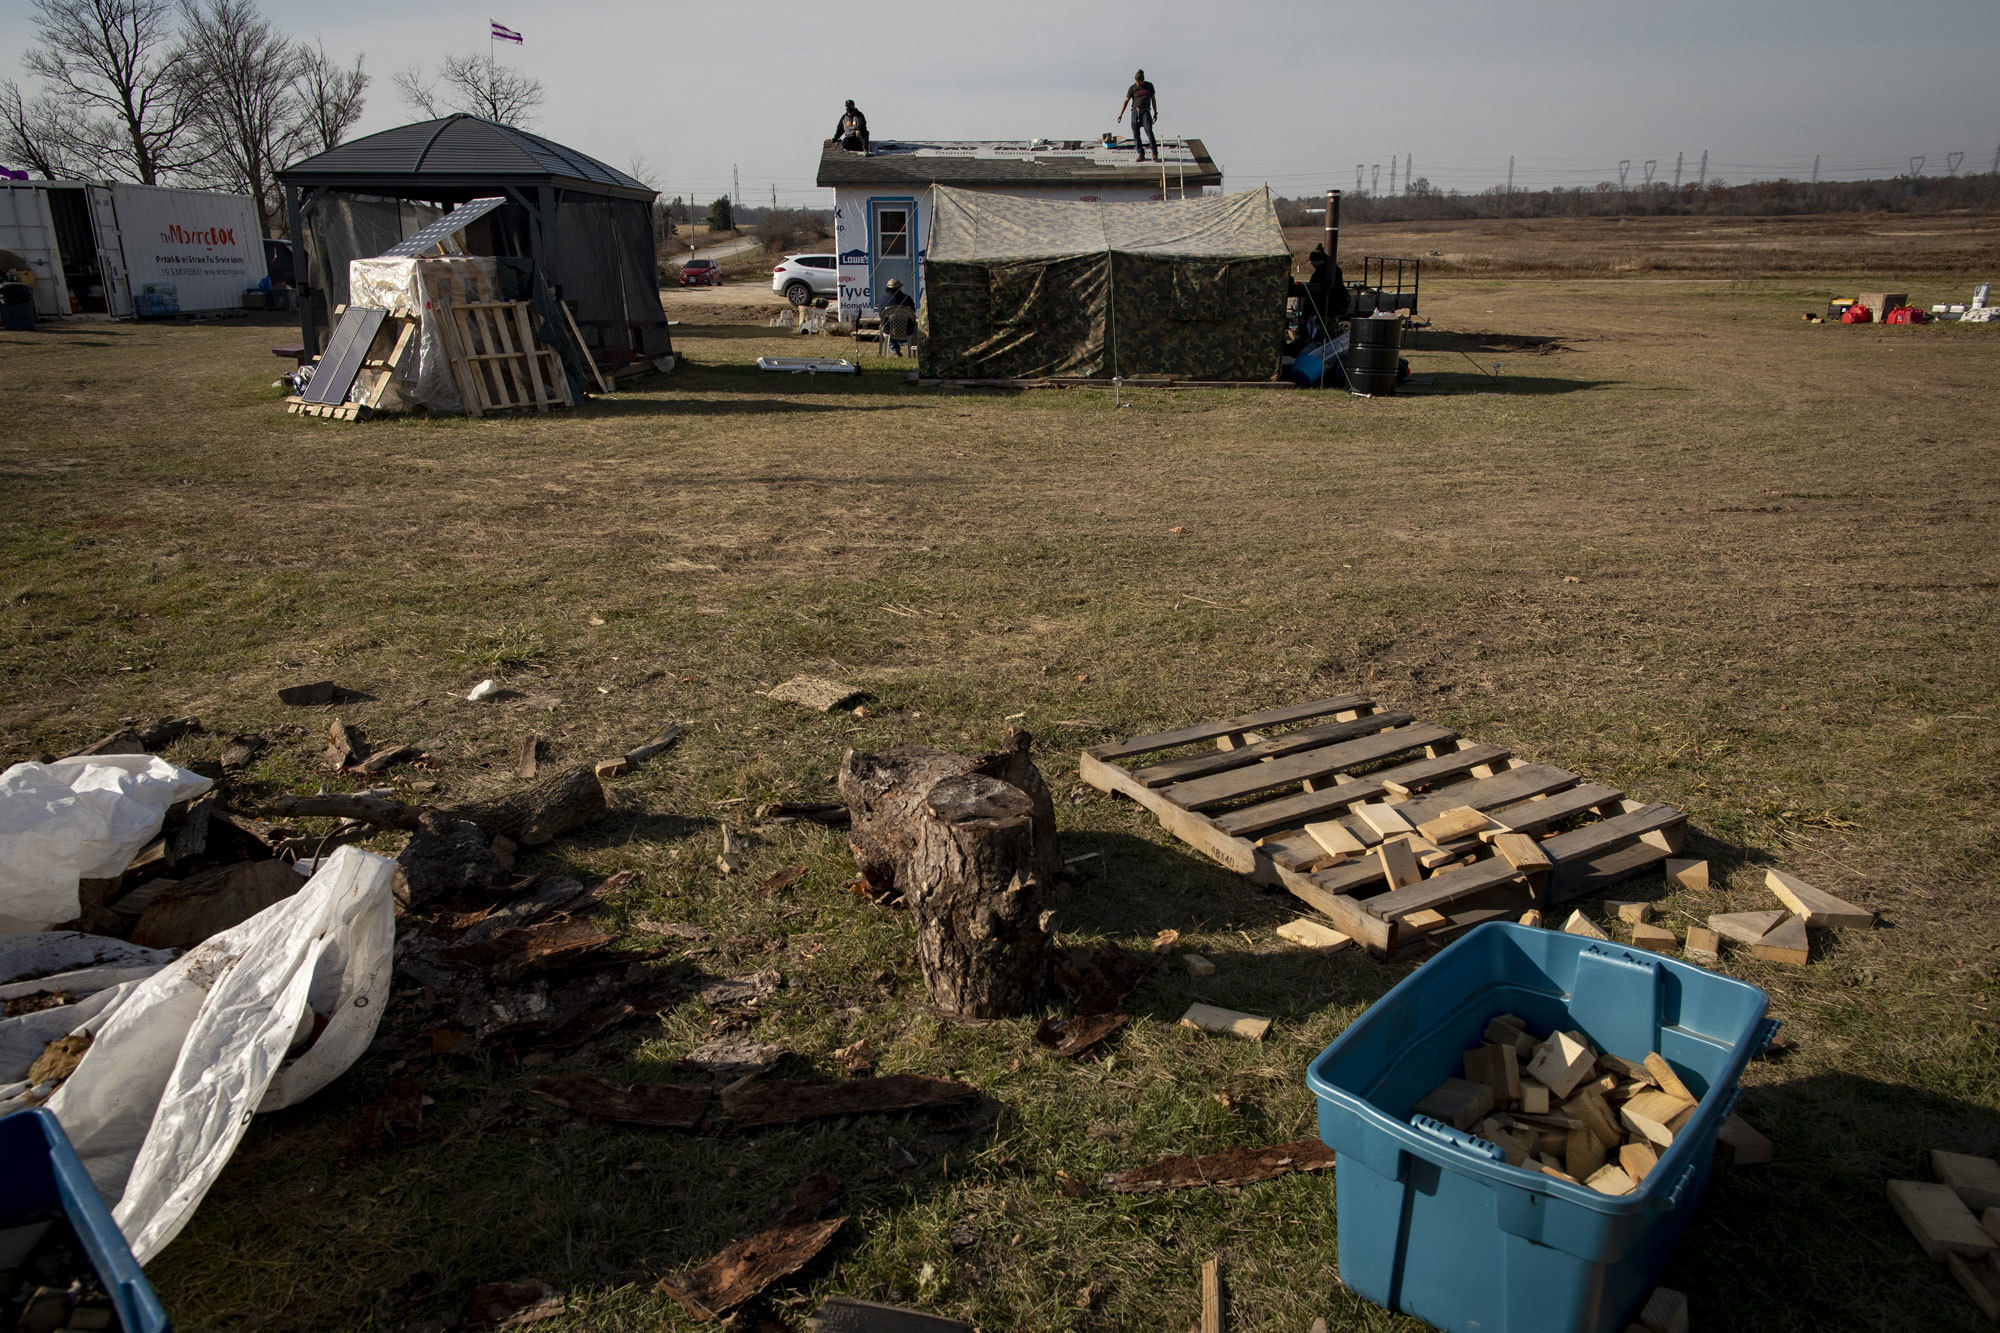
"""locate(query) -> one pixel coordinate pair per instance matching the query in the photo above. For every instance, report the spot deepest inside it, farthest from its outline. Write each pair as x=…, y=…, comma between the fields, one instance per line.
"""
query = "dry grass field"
x=1680, y=542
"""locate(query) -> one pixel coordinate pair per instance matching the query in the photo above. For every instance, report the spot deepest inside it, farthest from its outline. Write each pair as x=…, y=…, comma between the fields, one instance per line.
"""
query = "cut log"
x=532, y=815
x=212, y=901
x=443, y=857
x=376, y=810
x=970, y=844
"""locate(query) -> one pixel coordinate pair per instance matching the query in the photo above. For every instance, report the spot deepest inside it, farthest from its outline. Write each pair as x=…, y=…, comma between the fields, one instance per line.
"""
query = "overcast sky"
x=1568, y=88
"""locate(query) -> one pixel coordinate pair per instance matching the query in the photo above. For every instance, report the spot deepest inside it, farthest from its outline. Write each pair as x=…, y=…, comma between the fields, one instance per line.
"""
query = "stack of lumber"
x=1957, y=1220
x=1555, y=1105
x=1776, y=935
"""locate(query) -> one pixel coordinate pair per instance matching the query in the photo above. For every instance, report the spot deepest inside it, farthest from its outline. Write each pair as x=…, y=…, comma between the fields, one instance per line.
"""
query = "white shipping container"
x=205, y=245
x=28, y=229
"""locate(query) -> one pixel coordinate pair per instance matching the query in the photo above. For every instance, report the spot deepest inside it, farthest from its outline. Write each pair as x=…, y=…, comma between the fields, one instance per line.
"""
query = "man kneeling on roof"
x=852, y=129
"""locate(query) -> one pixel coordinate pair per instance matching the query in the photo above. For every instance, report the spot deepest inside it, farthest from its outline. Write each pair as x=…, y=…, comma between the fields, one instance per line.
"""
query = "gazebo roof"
x=459, y=151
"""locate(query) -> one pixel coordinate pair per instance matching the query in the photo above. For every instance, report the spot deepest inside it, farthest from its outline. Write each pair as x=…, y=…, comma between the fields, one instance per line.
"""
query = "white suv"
x=802, y=277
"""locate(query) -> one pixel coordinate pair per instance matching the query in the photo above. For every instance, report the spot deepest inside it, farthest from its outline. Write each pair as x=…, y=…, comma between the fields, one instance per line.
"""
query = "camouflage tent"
x=1024, y=288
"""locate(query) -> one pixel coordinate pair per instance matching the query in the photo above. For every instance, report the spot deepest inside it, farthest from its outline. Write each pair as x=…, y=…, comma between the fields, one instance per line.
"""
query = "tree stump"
x=970, y=843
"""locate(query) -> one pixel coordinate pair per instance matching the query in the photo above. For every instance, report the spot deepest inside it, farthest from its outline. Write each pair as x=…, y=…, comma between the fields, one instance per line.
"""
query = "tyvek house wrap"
x=1023, y=288
x=423, y=379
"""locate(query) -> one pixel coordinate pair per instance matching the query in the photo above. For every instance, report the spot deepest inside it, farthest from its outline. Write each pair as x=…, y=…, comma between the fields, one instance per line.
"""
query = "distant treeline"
x=1425, y=203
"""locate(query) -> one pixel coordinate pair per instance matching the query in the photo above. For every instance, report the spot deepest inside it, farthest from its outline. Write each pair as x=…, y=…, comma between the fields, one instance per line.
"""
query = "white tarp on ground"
x=180, y=1059
x=78, y=819
x=417, y=285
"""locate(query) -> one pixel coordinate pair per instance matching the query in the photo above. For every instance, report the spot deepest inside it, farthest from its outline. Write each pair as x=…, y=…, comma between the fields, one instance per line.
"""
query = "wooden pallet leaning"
x=495, y=360
x=1246, y=803
x=583, y=349
x=398, y=333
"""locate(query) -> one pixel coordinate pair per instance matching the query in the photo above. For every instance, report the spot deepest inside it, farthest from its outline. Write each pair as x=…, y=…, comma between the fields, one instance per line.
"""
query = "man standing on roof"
x=1141, y=98
x=852, y=130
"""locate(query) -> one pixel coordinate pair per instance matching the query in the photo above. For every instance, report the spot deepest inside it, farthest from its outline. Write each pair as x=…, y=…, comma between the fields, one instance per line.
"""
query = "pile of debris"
x=1957, y=1220
x=1777, y=936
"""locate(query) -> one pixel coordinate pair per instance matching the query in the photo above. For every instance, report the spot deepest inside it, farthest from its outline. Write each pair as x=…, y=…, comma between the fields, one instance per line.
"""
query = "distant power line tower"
x=1815, y=178
x=735, y=185
x=1951, y=161
x=1917, y=165
x=1677, y=171
x=1624, y=167
x=1703, y=181
x=1510, y=174
x=1374, y=176
x=1408, y=179
x=1392, y=173
x=1359, y=168
x=1651, y=163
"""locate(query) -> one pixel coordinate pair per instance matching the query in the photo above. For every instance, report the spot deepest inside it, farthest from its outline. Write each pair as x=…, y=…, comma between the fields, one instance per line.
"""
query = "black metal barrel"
x=1374, y=349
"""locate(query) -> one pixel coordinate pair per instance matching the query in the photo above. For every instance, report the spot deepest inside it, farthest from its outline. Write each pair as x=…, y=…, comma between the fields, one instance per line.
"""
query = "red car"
x=700, y=273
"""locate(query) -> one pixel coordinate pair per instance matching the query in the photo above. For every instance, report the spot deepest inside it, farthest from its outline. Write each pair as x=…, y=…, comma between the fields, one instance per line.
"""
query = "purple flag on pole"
x=503, y=33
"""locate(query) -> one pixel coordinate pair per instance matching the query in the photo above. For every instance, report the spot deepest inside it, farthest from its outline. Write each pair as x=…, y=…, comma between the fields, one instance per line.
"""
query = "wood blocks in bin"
x=1337, y=800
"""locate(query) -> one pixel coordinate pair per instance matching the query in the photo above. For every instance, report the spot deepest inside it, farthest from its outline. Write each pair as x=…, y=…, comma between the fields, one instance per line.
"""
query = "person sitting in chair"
x=852, y=129
x=899, y=316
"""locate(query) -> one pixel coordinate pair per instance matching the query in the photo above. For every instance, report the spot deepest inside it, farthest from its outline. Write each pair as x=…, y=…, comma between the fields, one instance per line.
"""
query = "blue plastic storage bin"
x=39, y=1171
x=1433, y=1222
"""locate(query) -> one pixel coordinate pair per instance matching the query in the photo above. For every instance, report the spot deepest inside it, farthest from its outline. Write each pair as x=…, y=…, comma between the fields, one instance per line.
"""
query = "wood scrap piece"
x=521, y=950
x=747, y=1267
x=1197, y=965
x=387, y=758
x=606, y=769
x=819, y=812
x=1588, y=1106
x=1666, y=1079
x=1562, y=1062
x=1079, y=1035
x=1458, y=822
x=1665, y=1311
x=1425, y=921
x=1457, y=1102
x=1750, y=1148
x=1532, y=917
x=1211, y=1296
x=1225, y=1022
x=842, y=1314
x=786, y=1102
x=1610, y=1180
x=1649, y=1114
x=1584, y=1154
x=1687, y=874
x=658, y=743
x=1632, y=913
x=1335, y=838
x=532, y=815
x=733, y=1058
x=1820, y=909
x=1579, y=924
x=1382, y=818
x=1703, y=945
x=306, y=696
x=503, y=1305
x=1534, y=1097
x=651, y=1105
x=1314, y=935
x=1522, y=852
x=240, y=749
x=1745, y=927
x=816, y=692
x=1981, y=1280
x=531, y=754
x=1657, y=938
x=125, y=740
x=1232, y=1166
x=781, y=879
x=1398, y=863
x=1786, y=943
x=1637, y=1160
x=344, y=745
x=1939, y=1219
x=1974, y=1179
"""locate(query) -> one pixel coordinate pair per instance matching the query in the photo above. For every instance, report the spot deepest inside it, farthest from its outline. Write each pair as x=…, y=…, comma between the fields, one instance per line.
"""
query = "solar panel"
x=410, y=247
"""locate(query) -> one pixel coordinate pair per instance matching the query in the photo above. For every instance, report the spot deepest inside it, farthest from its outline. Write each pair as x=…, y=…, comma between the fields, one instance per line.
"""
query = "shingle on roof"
x=1019, y=162
x=458, y=146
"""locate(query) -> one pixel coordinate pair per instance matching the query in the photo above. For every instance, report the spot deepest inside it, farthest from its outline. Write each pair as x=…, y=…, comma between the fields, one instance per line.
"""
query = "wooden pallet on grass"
x=1248, y=790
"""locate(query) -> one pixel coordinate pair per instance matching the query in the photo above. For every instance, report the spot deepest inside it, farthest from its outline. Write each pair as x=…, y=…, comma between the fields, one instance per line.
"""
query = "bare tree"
x=473, y=84
x=332, y=98
x=240, y=84
x=38, y=134
x=112, y=66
